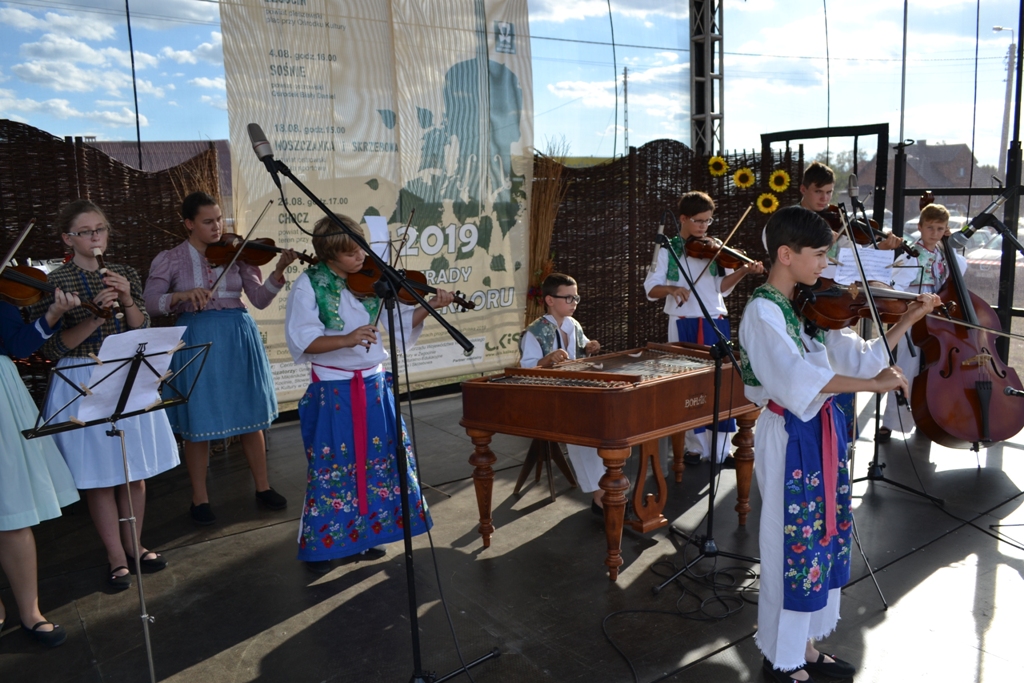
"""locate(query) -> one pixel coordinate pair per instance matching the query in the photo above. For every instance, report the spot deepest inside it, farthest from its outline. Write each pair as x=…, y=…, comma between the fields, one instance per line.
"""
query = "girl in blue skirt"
x=352, y=501
x=35, y=483
x=234, y=393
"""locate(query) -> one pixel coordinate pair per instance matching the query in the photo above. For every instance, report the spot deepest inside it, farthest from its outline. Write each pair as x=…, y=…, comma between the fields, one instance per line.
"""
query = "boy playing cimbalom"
x=800, y=446
x=554, y=338
x=685, y=320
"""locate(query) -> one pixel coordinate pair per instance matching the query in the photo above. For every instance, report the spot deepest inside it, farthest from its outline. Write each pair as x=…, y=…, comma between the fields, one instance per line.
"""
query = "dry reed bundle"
x=547, y=193
x=201, y=173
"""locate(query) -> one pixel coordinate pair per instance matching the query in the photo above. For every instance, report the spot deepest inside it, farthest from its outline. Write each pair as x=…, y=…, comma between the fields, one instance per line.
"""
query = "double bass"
x=958, y=399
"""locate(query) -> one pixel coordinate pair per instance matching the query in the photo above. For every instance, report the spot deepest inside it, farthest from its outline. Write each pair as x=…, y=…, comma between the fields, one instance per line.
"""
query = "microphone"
x=853, y=189
x=264, y=152
x=1010, y=391
x=960, y=239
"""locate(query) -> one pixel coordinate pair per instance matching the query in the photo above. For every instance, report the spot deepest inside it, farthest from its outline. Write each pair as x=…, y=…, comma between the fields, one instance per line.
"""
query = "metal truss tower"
x=707, y=98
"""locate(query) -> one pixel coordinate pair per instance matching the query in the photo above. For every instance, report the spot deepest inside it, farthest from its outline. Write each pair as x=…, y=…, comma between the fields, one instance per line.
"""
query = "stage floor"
x=235, y=605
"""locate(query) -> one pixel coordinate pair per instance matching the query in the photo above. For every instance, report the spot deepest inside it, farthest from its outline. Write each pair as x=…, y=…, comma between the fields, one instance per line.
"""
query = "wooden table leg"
x=744, y=456
x=648, y=507
x=615, y=484
x=483, y=479
x=678, y=450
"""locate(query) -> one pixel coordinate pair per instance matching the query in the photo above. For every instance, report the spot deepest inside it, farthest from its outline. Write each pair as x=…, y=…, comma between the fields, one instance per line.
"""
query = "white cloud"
x=560, y=11
x=112, y=103
x=593, y=93
x=78, y=26
x=11, y=105
x=57, y=48
x=71, y=78
x=215, y=102
x=216, y=83
x=211, y=52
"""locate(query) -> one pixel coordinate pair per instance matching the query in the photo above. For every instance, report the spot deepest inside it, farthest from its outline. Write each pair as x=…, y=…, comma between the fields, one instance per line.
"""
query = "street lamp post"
x=1011, y=55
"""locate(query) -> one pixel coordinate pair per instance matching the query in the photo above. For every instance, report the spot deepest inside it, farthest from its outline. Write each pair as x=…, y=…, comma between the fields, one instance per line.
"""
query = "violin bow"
x=900, y=397
x=725, y=242
x=394, y=264
x=238, y=253
x=17, y=244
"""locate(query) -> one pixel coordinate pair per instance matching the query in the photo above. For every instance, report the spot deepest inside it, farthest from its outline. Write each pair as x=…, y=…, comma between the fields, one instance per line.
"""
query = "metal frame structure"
x=707, y=94
x=881, y=130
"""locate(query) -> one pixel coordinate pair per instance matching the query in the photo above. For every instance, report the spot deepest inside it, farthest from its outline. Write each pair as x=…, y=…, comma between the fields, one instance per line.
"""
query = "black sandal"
x=148, y=564
x=784, y=676
x=119, y=581
x=48, y=638
x=834, y=669
x=882, y=436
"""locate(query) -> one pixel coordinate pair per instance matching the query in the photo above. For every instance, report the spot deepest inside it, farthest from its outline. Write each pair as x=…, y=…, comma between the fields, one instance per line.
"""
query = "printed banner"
x=414, y=110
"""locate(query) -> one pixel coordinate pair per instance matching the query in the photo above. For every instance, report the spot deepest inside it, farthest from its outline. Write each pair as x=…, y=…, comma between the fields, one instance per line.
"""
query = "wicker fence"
x=39, y=173
x=605, y=229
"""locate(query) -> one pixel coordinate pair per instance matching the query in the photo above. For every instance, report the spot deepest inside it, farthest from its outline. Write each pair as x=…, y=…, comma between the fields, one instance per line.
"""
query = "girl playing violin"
x=925, y=274
x=234, y=394
x=94, y=458
x=35, y=482
x=685, y=321
x=352, y=502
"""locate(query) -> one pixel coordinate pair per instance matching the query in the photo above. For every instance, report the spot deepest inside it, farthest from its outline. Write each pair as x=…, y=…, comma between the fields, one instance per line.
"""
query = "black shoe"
x=836, y=669
x=320, y=566
x=271, y=499
x=690, y=458
x=728, y=464
x=202, y=514
x=783, y=676
x=368, y=555
x=48, y=638
x=149, y=565
x=597, y=509
x=115, y=580
x=883, y=435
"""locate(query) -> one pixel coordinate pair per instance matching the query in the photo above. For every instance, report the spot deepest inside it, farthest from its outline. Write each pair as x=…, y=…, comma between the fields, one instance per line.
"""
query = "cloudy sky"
x=65, y=68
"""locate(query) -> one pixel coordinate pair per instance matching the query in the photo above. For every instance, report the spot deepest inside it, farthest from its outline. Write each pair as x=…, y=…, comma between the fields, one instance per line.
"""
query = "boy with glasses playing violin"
x=554, y=338
x=686, y=322
x=800, y=446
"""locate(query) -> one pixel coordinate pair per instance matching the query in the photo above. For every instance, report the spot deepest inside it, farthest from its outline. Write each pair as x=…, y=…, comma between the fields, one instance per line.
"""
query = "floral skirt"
x=341, y=514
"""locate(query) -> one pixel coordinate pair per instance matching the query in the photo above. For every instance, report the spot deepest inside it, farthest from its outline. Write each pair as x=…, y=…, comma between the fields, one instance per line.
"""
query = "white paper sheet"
x=877, y=265
x=108, y=379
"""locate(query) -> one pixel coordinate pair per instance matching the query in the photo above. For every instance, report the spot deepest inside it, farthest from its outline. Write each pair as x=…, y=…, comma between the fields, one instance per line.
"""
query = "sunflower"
x=767, y=203
x=743, y=178
x=717, y=166
x=779, y=180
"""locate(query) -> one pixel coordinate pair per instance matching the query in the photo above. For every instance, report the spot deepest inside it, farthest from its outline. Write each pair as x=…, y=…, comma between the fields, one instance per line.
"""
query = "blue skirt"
x=234, y=393
x=332, y=525
x=697, y=330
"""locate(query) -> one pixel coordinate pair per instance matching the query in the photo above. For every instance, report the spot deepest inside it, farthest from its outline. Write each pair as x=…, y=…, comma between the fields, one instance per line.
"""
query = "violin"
x=711, y=248
x=959, y=397
x=258, y=252
x=24, y=286
x=832, y=307
x=863, y=234
x=361, y=283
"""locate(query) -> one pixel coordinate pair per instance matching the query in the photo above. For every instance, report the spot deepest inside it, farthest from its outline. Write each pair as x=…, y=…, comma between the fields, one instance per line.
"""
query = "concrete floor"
x=234, y=605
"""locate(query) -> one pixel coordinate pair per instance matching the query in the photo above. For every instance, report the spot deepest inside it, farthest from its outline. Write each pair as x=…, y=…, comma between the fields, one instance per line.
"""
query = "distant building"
x=932, y=166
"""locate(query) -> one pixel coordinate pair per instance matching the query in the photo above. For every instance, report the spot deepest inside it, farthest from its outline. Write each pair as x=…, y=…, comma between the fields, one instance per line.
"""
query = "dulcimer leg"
x=483, y=479
x=615, y=484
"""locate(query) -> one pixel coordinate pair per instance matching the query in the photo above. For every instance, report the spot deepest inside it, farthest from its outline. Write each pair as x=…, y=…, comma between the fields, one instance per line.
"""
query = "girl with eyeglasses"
x=686, y=322
x=95, y=459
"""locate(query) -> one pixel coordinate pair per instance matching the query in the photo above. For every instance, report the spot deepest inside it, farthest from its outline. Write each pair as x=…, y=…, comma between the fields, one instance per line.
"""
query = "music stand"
x=122, y=387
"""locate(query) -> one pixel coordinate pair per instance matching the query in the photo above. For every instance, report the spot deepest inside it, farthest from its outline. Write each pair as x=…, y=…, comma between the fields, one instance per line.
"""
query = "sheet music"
x=877, y=265
x=380, y=236
x=108, y=379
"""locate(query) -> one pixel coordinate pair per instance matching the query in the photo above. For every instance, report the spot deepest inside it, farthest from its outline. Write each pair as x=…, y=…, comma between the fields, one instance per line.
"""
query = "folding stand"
x=129, y=394
x=719, y=350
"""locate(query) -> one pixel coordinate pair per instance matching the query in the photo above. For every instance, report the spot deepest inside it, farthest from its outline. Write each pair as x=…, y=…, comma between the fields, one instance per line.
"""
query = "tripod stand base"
x=708, y=548
x=876, y=473
x=480, y=660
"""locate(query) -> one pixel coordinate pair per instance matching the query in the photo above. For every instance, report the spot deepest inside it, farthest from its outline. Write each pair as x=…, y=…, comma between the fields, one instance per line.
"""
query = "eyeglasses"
x=704, y=222
x=570, y=298
x=87, y=234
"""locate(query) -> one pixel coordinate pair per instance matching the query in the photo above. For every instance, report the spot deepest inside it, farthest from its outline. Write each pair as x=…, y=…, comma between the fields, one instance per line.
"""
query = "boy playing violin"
x=800, y=446
x=816, y=188
x=685, y=320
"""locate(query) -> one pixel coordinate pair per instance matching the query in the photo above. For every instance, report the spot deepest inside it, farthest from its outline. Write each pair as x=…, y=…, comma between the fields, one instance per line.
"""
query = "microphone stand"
x=387, y=288
x=719, y=350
